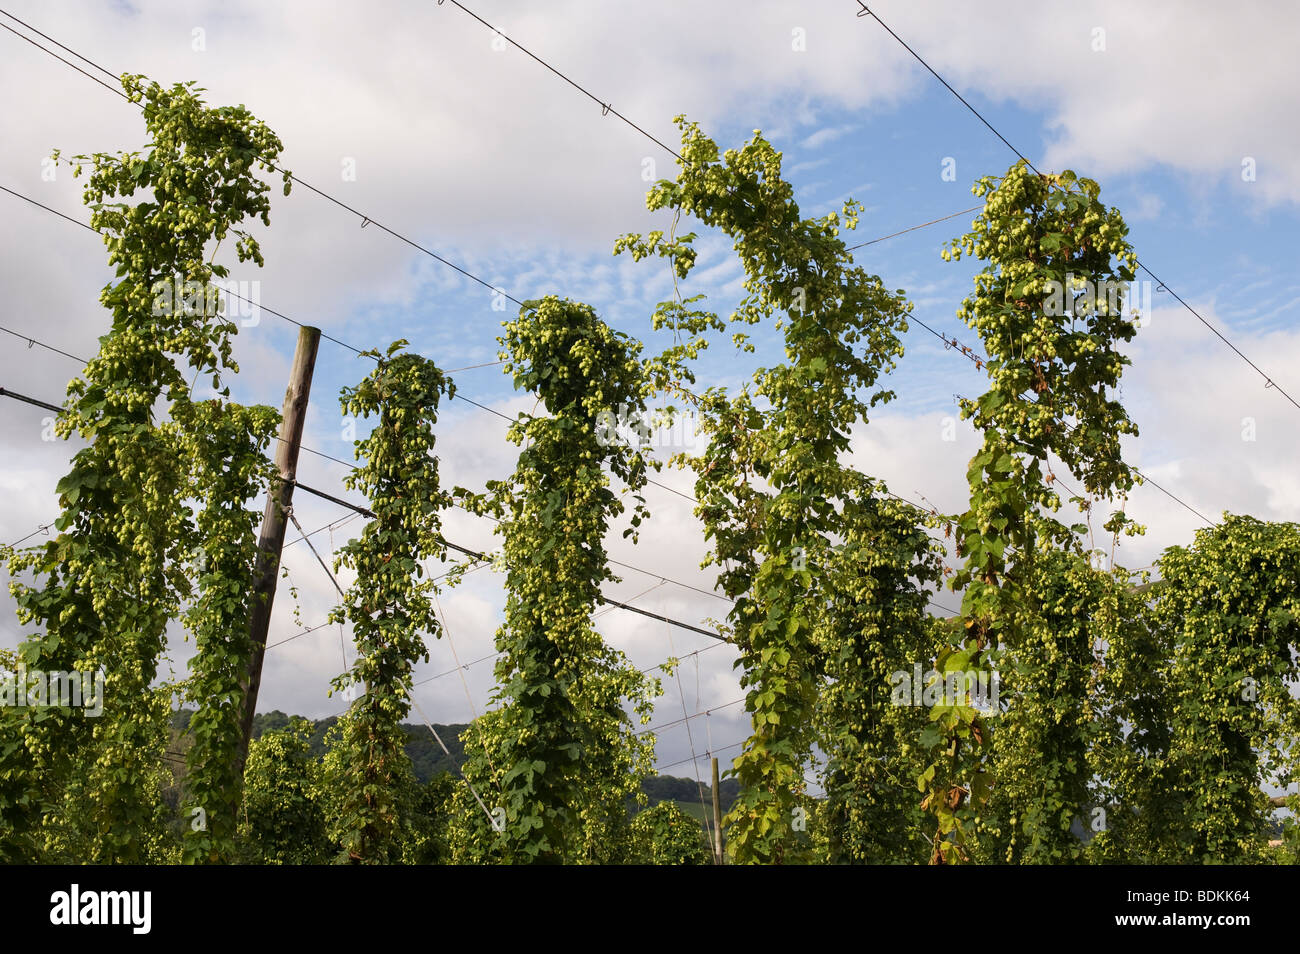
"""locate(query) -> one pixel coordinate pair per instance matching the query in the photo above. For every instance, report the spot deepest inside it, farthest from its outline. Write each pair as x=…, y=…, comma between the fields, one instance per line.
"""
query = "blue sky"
x=503, y=169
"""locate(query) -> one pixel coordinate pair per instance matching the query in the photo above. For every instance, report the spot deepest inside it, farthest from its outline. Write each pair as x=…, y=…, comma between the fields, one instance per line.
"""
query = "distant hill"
x=685, y=791
x=428, y=759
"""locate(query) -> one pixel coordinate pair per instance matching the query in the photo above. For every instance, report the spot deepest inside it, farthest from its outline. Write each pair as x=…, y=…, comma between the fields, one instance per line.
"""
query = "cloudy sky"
x=420, y=117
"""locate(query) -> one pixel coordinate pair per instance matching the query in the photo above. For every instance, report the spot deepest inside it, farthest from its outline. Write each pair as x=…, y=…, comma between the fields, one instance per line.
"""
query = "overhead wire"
x=690, y=736
x=694, y=715
x=6, y=392
x=366, y=219
x=712, y=754
x=1269, y=382
x=979, y=362
x=479, y=555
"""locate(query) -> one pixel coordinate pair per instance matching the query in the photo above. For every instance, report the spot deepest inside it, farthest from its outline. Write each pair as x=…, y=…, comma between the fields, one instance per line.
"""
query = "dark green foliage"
x=132, y=551
x=283, y=819
x=390, y=605
x=560, y=756
x=666, y=835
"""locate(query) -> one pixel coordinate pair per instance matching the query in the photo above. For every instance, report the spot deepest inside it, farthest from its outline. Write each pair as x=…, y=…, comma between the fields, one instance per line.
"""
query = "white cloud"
x=1147, y=207
x=826, y=135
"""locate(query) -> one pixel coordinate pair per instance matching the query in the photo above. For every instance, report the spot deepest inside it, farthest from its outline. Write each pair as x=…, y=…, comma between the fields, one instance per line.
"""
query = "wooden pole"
x=717, y=816
x=279, y=498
